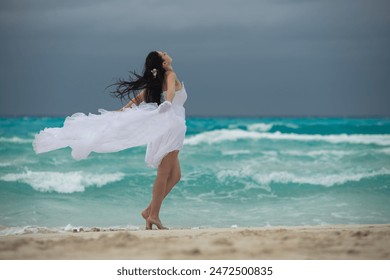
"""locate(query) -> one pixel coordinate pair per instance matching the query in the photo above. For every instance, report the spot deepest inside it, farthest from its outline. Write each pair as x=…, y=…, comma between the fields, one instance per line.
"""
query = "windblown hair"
x=151, y=81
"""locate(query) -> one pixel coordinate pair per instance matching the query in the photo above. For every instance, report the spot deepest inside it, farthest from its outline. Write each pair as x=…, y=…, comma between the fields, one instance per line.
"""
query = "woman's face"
x=167, y=60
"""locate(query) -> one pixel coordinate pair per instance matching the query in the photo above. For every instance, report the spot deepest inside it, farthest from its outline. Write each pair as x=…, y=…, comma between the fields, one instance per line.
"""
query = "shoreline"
x=340, y=242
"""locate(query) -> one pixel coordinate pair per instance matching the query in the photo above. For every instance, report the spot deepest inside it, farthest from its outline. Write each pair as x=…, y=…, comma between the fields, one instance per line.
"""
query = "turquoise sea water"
x=235, y=172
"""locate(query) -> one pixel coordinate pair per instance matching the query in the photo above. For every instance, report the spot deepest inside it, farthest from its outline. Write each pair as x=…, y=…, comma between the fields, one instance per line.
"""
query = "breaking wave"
x=217, y=136
x=68, y=182
x=326, y=180
x=15, y=139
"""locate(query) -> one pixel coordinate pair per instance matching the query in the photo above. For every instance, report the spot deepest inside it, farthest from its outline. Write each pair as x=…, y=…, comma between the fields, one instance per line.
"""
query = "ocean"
x=236, y=172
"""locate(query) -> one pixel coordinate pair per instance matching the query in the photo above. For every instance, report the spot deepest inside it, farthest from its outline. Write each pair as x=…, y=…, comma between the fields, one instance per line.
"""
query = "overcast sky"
x=237, y=58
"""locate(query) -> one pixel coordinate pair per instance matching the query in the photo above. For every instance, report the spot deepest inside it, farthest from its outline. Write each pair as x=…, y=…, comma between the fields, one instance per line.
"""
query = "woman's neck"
x=168, y=68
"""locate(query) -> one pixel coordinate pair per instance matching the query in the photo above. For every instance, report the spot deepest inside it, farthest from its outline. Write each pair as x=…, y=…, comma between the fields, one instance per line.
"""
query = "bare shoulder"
x=170, y=75
x=171, y=80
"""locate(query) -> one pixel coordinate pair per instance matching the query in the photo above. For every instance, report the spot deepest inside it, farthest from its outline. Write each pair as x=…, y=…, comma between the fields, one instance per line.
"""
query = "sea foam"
x=263, y=127
x=15, y=139
x=217, y=136
x=283, y=177
x=68, y=182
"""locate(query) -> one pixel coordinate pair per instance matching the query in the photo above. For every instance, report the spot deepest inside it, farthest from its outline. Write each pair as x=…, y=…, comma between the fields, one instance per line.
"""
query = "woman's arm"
x=136, y=100
x=171, y=85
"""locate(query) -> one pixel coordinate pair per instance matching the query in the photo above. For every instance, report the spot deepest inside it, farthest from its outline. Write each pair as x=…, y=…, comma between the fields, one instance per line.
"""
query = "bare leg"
x=166, y=172
x=173, y=179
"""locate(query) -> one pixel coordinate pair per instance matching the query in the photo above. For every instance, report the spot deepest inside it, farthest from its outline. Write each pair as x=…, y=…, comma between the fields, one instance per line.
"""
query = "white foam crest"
x=263, y=127
x=18, y=161
x=222, y=175
x=236, y=152
x=336, y=153
x=217, y=136
x=290, y=125
x=326, y=180
x=67, y=182
x=220, y=135
x=14, y=140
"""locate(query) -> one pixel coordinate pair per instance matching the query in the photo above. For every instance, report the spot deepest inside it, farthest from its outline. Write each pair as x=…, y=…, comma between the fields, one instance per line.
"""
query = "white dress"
x=161, y=127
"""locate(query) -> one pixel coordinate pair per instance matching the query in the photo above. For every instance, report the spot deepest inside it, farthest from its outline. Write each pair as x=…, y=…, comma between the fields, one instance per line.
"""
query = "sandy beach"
x=368, y=242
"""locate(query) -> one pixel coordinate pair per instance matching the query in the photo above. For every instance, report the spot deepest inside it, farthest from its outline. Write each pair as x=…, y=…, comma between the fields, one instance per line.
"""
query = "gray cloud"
x=270, y=57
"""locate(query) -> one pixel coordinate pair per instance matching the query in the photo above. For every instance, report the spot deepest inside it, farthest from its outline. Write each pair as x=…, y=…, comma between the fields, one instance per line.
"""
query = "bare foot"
x=156, y=222
x=145, y=215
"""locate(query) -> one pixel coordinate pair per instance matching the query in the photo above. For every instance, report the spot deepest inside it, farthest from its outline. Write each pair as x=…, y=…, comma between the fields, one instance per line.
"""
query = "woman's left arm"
x=171, y=85
x=136, y=100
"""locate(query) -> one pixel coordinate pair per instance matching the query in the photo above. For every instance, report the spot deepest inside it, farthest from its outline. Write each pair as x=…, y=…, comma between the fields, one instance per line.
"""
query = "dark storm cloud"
x=273, y=57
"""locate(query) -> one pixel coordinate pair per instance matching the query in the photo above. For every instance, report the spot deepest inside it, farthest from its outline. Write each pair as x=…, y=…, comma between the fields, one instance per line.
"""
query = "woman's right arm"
x=136, y=100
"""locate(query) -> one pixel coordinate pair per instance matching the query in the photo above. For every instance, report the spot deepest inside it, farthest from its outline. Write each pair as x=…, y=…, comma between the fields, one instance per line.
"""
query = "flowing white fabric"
x=162, y=128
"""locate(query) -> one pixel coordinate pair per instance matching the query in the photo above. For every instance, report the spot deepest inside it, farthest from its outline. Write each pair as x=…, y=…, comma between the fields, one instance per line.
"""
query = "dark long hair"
x=151, y=81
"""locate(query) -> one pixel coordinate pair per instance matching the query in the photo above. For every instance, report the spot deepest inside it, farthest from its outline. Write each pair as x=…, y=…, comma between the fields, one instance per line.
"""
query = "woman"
x=154, y=116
